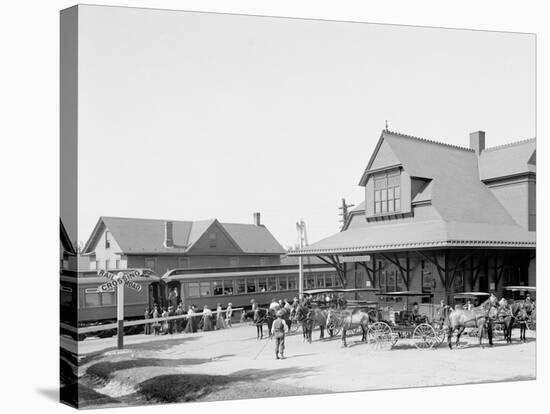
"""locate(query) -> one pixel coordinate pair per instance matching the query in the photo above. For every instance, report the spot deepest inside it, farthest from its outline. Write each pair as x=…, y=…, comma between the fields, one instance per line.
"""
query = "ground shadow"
x=104, y=370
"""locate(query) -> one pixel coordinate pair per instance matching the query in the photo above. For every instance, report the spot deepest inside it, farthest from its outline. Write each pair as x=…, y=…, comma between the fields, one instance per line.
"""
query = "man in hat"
x=278, y=330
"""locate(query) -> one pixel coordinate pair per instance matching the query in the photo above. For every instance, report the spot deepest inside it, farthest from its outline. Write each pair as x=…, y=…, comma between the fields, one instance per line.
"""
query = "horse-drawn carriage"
x=472, y=300
x=424, y=328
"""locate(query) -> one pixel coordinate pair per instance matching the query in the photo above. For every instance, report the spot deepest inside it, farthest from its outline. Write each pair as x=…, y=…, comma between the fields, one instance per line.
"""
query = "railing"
x=109, y=326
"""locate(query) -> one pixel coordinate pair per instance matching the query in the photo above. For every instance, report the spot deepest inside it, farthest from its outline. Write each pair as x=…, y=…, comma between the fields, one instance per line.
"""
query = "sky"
x=190, y=116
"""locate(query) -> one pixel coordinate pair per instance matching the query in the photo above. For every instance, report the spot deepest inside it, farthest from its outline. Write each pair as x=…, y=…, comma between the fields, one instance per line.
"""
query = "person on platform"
x=190, y=327
x=172, y=322
x=220, y=323
x=164, y=328
x=147, y=315
x=278, y=331
x=173, y=298
x=179, y=322
x=207, y=319
x=228, y=314
x=156, y=324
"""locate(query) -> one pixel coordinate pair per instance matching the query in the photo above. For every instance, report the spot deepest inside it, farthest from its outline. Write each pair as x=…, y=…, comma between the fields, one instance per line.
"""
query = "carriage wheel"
x=380, y=335
x=336, y=329
x=425, y=337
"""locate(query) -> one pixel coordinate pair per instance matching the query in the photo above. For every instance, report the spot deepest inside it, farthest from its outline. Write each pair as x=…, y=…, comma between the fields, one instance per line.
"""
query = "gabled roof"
x=147, y=235
x=456, y=190
x=468, y=213
x=508, y=160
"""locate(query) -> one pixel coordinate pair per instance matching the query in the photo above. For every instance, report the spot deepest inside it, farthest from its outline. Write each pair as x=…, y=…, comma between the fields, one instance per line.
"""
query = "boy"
x=278, y=330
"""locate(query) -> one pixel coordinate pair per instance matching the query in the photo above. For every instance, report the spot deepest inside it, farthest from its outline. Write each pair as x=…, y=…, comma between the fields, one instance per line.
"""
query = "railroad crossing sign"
x=125, y=278
x=119, y=280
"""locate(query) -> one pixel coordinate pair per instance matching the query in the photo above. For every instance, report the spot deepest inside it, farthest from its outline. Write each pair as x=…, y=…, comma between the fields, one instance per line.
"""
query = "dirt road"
x=233, y=364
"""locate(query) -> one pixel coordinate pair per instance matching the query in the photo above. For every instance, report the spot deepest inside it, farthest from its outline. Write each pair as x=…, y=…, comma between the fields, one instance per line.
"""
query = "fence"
x=109, y=326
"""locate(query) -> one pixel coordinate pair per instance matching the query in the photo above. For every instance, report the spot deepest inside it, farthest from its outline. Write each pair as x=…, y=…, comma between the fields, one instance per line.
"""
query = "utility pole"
x=345, y=211
x=302, y=242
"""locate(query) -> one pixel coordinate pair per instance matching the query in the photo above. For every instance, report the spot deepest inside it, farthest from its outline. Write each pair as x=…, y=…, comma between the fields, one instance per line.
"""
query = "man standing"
x=278, y=330
x=173, y=298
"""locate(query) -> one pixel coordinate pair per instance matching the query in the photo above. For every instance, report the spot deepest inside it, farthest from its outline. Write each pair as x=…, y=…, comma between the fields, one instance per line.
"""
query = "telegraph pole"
x=302, y=242
x=345, y=209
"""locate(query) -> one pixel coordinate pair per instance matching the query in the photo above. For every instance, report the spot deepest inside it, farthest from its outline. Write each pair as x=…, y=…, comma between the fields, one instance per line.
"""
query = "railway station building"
x=438, y=218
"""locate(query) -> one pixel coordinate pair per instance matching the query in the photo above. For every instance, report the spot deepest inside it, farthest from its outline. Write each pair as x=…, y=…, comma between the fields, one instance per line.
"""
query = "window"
x=183, y=262
x=212, y=239
x=337, y=281
x=66, y=296
x=310, y=282
x=329, y=281
x=117, y=264
x=283, y=285
x=217, y=288
x=107, y=264
x=263, y=261
x=151, y=263
x=262, y=286
x=320, y=281
x=108, y=298
x=292, y=283
x=251, y=286
x=387, y=192
x=205, y=288
x=241, y=286
x=107, y=239
x=93, y=265
x=92, y=299
x=390, y=283
x=271, y=284
x=227, y=287
x=234, y=261
x=193, y=290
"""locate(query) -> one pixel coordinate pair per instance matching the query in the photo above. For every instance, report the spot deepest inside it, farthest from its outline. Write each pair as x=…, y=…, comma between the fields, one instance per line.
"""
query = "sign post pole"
x=120, y=314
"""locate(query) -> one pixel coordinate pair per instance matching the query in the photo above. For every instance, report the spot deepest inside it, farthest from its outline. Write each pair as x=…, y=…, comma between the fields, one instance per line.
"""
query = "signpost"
x=119, y=280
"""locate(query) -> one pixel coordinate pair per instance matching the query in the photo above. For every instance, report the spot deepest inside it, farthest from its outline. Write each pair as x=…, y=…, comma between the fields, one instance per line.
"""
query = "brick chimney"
x=168, y=234
x=477, y=141
x=256, y=218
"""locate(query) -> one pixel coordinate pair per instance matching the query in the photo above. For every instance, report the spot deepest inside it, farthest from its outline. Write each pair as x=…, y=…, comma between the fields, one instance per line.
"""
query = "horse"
x=479, y=317
x=349, y=321
x=260, y=316
x=303, y=317
x=508, y=313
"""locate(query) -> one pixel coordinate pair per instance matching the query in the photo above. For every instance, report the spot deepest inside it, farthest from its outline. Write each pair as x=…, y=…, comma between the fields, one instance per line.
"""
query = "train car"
x=240, y=285
x=81, y=301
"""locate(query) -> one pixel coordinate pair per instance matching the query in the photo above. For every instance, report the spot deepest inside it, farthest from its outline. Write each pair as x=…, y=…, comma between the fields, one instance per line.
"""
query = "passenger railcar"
x=82, y=302
x=240, y=285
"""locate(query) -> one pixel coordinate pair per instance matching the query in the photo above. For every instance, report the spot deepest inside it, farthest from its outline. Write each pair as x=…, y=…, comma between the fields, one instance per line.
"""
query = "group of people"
x=194, y=320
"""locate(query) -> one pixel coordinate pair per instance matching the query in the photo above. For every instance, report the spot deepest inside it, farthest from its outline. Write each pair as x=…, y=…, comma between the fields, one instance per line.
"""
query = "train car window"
x=251, y=286
x=292, y=283
x=283, y=285
x=271, y=284
x=262, y=285
x=92, y=300
x=108, y=298
x=217, y=288
x=205, y=288
x=227, y=287
x=241, y=286
x=193, y=290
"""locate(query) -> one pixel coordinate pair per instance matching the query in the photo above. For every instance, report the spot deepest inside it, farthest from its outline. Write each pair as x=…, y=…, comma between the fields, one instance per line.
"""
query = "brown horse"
x=349, y=320
x=478, y=317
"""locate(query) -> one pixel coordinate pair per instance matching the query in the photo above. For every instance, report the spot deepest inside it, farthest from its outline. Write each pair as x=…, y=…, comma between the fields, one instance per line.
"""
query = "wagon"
x=318, y=297
x=391, y=326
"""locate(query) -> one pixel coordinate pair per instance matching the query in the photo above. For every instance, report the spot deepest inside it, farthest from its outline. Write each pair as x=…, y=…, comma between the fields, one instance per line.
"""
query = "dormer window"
x=387, y=192
x=107, y=241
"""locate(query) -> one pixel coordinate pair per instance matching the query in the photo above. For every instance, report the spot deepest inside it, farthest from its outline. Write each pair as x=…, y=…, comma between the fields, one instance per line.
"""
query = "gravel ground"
x=236, y=365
